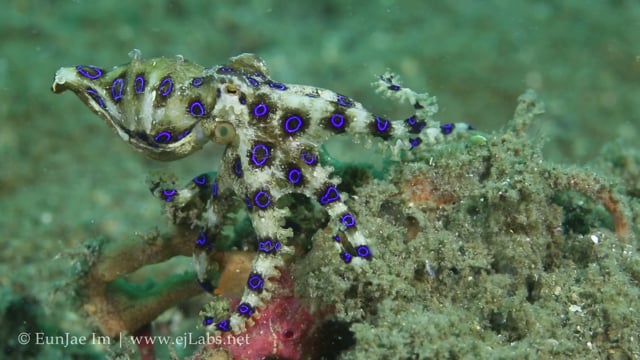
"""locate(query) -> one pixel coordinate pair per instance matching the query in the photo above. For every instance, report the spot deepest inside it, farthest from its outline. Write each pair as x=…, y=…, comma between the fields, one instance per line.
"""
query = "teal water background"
x=65, y=177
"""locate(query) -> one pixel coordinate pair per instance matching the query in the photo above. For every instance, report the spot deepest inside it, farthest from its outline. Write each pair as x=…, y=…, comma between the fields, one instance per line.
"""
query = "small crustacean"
x=169, y=108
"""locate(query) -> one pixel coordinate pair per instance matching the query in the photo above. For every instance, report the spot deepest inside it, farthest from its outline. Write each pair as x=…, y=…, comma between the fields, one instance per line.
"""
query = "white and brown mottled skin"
x=169, y=108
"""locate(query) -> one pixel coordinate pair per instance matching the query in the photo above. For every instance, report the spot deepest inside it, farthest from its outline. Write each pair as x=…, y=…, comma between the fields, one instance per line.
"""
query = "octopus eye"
x=224, y=133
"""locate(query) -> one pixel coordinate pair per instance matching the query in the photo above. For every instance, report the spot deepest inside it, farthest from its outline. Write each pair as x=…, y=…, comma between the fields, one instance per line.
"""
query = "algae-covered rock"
x=477, y=255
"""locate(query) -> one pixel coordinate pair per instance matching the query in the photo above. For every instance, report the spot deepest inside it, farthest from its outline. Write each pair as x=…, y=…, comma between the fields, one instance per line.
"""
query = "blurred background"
x=65, y=177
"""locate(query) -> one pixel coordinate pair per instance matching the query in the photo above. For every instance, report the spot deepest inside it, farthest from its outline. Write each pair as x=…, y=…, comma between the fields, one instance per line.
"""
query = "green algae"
x=64, y=179
x=497, y=267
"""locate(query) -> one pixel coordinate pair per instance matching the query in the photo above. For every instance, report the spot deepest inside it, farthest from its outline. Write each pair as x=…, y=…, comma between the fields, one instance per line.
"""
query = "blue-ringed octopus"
x=167, y=108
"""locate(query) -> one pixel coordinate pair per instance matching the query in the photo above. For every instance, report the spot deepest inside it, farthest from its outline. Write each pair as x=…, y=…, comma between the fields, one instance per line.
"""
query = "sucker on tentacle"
x=169, y=108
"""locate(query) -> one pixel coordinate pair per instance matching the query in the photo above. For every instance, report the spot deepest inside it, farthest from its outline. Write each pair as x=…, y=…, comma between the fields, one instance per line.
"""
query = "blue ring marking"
x=196, y=109
x=331, y=194
x=197, y=82
x=393, y=87
x=346, y=257
x=168, y=194
x=344, y=101
x=415, y=125
x=269, y=247
x=252, y=81
x=415, y=142
x=207, y=320
x=363, y=251
x=202, y=241
x=206, y=285
x=183, y=134
x=262, y=199
x=200, y=180
x=260, y=75
x=381, y=128
x=348, y=220
x=447, y=128
x=117, y=89
x=247, y=201
x=97, y=98
x=309, y=158
x=245, y=309
x=237, y=168
x=263, y=158
x=139, y=84
x=294, y=176
x=165, y=87
x=163, y=137
x=214, y=189
x=382, y=124
x=337, y=121
x=287, y=124
x=265, y=246
x=337, y=238
x=224, y=325
x=260, y=110
x=226, y=69
x=255, y=282
x=89, y=71
x=277, y=85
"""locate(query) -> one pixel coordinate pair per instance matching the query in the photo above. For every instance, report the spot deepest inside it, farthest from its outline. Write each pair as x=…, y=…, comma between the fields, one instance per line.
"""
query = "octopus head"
x=156, y=105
